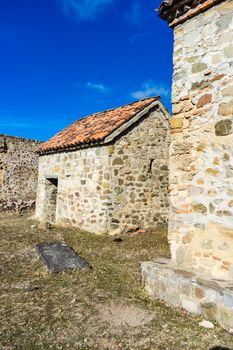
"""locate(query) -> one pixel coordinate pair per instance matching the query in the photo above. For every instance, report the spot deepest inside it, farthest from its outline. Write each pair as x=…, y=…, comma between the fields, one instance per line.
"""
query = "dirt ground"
x=102, y=308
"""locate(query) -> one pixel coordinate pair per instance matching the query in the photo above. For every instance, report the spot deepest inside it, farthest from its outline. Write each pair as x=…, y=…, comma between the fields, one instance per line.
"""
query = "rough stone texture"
x=199, y=276
x=196, y=294
x=111, y=186
x=18, y=173
x=201, y=153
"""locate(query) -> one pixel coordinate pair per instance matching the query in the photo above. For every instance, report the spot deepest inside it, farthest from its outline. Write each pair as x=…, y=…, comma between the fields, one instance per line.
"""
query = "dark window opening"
x=53, y=181
x=151, y=165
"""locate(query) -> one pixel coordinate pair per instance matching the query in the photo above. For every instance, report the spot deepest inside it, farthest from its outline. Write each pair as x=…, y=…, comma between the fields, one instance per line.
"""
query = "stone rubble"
x=206, y=324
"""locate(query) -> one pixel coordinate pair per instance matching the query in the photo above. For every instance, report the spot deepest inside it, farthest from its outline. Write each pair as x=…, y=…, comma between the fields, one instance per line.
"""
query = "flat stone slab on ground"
x=59, y=257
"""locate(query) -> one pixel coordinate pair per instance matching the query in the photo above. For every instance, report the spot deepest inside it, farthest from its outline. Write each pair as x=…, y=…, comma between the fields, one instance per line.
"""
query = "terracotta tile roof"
x=179, y=11
x=96, y=127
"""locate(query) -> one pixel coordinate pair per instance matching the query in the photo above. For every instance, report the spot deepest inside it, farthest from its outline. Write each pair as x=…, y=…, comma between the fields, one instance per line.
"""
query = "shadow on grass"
x=220, y=348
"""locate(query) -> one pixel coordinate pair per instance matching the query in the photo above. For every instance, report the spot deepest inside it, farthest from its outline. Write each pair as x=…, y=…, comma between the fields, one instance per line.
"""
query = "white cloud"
x=98, y=87
x=150, y=88
x=134, y=13
x=84, y=9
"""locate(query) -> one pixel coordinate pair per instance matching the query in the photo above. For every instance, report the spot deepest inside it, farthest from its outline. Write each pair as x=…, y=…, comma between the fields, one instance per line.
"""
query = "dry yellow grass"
x=88, y=309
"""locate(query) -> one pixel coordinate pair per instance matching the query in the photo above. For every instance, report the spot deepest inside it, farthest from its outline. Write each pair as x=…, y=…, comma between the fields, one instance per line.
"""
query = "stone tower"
x=201, y=154
x=201, y=159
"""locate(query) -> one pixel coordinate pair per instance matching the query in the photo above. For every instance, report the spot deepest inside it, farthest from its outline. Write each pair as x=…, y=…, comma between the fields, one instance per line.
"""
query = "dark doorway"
x=51, y=199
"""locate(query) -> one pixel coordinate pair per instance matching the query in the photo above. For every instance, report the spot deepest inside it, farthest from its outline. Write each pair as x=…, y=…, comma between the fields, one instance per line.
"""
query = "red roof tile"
x=96, y=127
x=176, y=11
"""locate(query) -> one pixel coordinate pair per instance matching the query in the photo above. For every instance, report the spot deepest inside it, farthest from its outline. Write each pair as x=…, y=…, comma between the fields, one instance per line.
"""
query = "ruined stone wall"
x=201, y=154
x=110, y=186
x=18, y=173
x=139, y=183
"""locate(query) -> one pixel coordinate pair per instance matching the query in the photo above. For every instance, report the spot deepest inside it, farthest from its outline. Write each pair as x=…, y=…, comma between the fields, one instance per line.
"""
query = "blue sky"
x=64, y=59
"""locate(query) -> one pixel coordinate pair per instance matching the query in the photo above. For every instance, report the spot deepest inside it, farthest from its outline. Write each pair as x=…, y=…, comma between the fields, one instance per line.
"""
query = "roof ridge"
x=114, y=108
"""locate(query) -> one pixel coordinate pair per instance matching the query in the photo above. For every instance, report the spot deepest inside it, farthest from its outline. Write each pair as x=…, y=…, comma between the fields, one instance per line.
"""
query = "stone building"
x=199, y=276
x=108, y=170
x=18, y=173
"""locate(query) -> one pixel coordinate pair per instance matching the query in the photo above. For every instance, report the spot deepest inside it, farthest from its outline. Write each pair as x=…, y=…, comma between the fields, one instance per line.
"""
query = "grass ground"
x=101, y=308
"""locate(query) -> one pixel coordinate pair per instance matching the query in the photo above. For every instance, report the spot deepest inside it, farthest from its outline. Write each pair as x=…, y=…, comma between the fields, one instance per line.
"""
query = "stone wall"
x=139, y=171
x=83, y=193
x=201, y=154
x=110, y=186
x=18, y=173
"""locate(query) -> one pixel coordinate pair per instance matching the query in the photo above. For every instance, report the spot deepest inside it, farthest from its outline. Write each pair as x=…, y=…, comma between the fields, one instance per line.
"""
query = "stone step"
x=192, y=291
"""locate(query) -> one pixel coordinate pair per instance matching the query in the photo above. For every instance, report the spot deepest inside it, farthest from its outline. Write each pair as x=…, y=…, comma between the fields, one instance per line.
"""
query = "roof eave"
x=71, y=148
x=166, y=9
